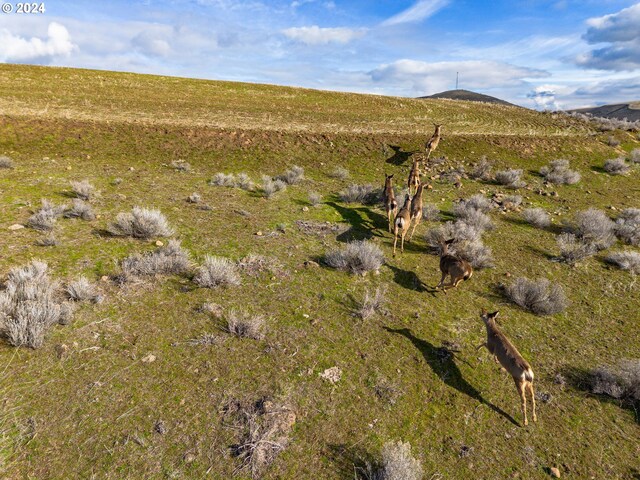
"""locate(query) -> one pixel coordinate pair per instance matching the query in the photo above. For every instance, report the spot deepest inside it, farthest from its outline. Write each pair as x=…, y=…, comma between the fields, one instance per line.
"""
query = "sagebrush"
x=538, y=296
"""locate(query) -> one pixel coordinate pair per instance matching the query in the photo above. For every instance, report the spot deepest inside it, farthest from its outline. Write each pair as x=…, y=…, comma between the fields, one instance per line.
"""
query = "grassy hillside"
x=95, y=409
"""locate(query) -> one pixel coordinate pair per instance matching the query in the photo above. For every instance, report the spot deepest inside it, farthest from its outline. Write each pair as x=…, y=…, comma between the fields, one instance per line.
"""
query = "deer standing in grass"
x=505, y=353
x=414, y=177
x=402, y=223
x=416, y=210
x=389, y=199
x=453, y=266
x=433, y=142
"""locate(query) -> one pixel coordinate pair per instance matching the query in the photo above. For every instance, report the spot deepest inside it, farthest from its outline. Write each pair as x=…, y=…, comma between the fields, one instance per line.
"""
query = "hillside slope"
x=630, y=111
x=470, y=96
x=148, y=384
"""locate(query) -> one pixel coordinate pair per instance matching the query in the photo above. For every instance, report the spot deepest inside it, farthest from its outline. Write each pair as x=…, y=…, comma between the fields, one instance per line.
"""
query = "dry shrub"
x=558, y=172
x=48, y=240
x=181, y=166
x=30, y=305
x=82, y=290
x=292, y=176
x=634, y=155
x=430, y=213
x=537, y=217
x=171, y=259
x=467, y=243
x=340, y=173
x=475, y=252
x=397, y=464
x=510, y=178
x=83, y=190
x=223, y=180
x=538, y=296
x=365, y=194
x=253, y=265
x=45, y=218
x=80, y=209
x=244, y=182
x=626, y=260
x=573, y=249
x=215, y=272
x=371, y=304
x=271, y=186
x=473, y=218
x=266, y=427
x=593, y=227
x=315, y=198
x=246, y=325
x=357, y=257
x=621, y=382
x=627, y=227
x=511, y=202
x=616, y=166
x=5, y=162
x=194, y=198
x=482, y=170
x=140, y=223
x=475, y=202
x=613, y=141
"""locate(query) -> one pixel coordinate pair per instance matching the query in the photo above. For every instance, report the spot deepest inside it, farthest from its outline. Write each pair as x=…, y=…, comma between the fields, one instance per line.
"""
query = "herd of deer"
x=458, y=269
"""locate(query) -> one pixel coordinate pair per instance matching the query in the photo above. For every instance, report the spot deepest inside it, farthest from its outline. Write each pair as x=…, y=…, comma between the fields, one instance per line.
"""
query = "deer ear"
x=483, y=312
x=450, y=241
x=391, y=176
x=494, y=314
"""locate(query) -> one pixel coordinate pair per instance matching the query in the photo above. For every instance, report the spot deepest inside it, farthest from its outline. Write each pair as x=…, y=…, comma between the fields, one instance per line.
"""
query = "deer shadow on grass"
x=441, y=360
x=410, y=280
x=364, y=222
x=399, y=156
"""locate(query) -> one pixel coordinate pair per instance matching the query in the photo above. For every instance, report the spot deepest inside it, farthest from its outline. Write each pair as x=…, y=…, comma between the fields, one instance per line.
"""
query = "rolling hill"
x=630, y=111
x=470, y=96
x=148, y=382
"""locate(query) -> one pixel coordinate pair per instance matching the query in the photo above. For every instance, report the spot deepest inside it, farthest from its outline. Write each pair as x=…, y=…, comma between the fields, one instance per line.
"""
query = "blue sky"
x=535, y=53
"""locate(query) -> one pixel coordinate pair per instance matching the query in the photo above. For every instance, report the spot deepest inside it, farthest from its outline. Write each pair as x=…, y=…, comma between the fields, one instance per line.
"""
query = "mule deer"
x=452, y=265
x=402, y=223
x=414, y=177
x=416, y=210
x=433, y=142
x=389, y=199
x=505, y=353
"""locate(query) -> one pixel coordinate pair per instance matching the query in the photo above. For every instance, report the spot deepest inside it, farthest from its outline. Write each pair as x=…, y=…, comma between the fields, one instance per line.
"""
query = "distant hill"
x=630, y=111
x=468, y=95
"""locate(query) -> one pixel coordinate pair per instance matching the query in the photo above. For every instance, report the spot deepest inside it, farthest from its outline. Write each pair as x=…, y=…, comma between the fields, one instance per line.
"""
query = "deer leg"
x=521, y=384
x=389, y=215
x=395, y=240
x=417, y=221
x=484, y=344
x=441, y=280
x=404, y=232
x=533, y=400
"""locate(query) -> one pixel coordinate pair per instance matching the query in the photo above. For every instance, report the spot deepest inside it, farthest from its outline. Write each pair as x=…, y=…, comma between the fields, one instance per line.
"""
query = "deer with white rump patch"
x=389, y=199
x=402, y=224
x=505, y=353
x=452, y=265
x=433, y=142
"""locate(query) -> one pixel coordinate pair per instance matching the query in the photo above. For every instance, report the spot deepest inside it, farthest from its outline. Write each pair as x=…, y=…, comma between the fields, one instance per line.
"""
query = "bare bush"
x=271, y=186
x=627, y=227
x=340, y=173
x=223, y=180
x=5, y=162
x=537, y=217
x=371, y=303
x=593, y=227
x=510, y=178
x=140, y=223
x=247, y=325
x=460, y=231
x=83, y=190
x=626, y=260
x=482, y=170
x=634, y=155
x=45, y=218
x=616, y=166
x=538, y=296
x=47, y=240
x=365, y=194
x=253, y=265
x=472, y=217
x=82, y=290
x=475, y=202
x=244, y=182
x=574, y=249
x=292, y=176
x=511, y=202
x=215, y=272
x=357, y=257
x=475, y=252
x=80, y=209
x=315, y=198
x=558, y=172
x=397, y=464
x=430, y=212
x=621, y=382
x=194, y=198
x=29, y=305
x=171, y=259
x=181, y=166
x=613, y=141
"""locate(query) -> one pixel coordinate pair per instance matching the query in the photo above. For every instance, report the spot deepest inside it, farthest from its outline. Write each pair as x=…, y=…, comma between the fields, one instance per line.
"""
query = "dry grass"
x=246, y=325
x=371, y=303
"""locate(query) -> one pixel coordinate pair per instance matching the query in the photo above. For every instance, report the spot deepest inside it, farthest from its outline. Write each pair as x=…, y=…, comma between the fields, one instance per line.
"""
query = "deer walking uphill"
x=416, y=210
x=402, y=224
x=414, y=177
x=433, y=142
x=457, y=268
x=389, y=199
x=507, y=355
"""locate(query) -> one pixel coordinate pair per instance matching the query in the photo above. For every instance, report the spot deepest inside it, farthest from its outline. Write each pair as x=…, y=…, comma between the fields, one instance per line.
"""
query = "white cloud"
x=14, y=48
x=315, y=35
x=428, y=78
x=418, y=12
x=544, y=97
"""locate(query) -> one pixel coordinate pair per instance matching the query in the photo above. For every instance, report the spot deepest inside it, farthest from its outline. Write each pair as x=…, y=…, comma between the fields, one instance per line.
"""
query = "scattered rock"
x=555, y=473
x=311, y=264
x=149, y=358
x=259, y=233
x=332, y=375
x=62, y=350
x=104, y=278
x=305, y=209
x=160, y=427
x=159, y=243
x=189, y=457
x=16, y=226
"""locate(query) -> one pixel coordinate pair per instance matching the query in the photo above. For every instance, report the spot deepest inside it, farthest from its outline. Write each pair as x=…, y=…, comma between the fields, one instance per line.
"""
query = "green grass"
x=92, y=412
